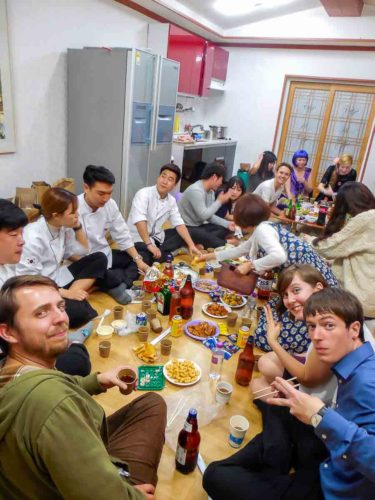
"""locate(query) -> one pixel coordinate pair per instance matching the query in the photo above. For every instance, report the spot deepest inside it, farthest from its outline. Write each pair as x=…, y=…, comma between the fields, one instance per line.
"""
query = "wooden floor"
x=214, y=436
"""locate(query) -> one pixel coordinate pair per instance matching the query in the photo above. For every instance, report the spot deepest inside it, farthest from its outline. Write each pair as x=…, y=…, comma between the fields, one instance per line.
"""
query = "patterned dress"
x=293, y=335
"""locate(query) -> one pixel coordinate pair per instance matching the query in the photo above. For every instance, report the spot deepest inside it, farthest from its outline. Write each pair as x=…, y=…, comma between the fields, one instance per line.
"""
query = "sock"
x=82, y=334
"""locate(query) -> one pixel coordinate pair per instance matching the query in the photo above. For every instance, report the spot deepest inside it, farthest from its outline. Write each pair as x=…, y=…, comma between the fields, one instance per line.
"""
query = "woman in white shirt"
x=57, y=235
x=271, y=190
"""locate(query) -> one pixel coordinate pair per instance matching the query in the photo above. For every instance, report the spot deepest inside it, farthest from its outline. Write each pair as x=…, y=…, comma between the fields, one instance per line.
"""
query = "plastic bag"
x=202, y=398
x=131, y=325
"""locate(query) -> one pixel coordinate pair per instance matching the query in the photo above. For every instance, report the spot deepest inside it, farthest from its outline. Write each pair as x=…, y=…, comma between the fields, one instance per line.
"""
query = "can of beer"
x=176, y=327
x=243, y=336
x=141, y=319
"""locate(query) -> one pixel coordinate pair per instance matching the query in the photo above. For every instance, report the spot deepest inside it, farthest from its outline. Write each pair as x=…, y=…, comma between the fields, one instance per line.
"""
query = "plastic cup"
x=143, y=332
x=238, y=426
x=223, y=392
x=165, y=347
x=104, y=348
x=105, y=331
x=232, y=319
x=128, y=376
x=202, y=271
x=217, y=272
x=151, y=313
x=118, y=312
x=246, y=322
x=146, y=305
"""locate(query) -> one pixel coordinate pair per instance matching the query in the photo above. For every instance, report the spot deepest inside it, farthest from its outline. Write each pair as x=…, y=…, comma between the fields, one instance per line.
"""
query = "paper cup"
x=165, y=347
x=232, y=319
x=238, y=426
x=129, y=377
x=223, y=392
x=118, y=325
x=143, y=332
x=118, y=312
x=146, y=304
x=104, y=348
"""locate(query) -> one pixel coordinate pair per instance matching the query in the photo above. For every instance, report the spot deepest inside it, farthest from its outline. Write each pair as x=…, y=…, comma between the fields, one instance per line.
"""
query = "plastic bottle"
x=168, y=268
x=187, y=299
x=216, y=361
x=250, y=305
x=175, y=306
x=323, y=209
x=245, y=364
x=264, y=285
x=188, y=440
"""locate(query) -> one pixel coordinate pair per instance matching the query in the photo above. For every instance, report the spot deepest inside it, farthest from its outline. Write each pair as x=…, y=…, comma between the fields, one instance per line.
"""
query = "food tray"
x=150, y=378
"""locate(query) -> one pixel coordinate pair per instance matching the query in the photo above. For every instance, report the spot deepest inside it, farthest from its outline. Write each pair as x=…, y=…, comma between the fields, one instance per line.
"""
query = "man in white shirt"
x=100, y=214
x=151, y=208
x=76, y=360
x=271, y=190
x=198, y=207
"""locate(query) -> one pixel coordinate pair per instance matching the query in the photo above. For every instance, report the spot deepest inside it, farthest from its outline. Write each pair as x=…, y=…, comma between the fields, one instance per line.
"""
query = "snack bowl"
x=178, y=381
x=105, y=331
x=206, y=308
x=197, y=322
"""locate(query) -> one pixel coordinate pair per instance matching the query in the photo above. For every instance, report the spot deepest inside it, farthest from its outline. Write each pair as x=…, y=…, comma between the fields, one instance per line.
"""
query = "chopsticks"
x=271, y=393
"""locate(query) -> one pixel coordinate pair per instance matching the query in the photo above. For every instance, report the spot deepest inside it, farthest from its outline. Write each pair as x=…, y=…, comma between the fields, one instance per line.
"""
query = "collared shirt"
x=6, y=271
x=97, y=224
x=349, y=430
x=150, y=207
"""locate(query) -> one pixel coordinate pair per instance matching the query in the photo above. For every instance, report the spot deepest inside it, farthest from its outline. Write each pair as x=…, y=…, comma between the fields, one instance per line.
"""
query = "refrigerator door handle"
x=157, y=84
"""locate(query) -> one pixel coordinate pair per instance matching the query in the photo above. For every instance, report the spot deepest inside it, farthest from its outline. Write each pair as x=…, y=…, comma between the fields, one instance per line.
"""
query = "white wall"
x=254, y=84
x=40, y=31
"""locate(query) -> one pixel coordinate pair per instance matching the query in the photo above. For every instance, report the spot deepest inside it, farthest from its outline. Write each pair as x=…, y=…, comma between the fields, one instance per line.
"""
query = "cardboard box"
x=65, y=183
x=40, y=187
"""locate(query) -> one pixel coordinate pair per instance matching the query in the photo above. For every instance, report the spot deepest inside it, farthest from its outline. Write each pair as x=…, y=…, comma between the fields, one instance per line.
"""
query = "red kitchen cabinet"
x=220, y=66
x=189, y=50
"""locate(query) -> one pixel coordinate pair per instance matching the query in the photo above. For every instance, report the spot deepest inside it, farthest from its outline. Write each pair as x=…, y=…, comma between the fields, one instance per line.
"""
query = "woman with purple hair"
x=299, y=182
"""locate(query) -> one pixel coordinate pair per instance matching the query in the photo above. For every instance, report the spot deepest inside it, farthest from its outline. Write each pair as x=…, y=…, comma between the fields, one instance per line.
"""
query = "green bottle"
x=163, y=300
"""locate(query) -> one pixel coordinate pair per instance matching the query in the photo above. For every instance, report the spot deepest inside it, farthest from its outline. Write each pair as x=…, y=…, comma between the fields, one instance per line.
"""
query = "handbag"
x=243, y=283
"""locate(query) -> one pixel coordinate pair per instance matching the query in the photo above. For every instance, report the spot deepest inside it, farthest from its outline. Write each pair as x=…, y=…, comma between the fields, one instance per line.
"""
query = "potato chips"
x=146, y=352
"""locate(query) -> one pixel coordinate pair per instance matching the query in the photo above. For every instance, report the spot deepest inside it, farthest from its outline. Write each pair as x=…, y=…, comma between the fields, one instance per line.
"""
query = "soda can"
x=176, y=327
x=243, y=336
x=141, y=319
x=214, y=296
x=209, y=268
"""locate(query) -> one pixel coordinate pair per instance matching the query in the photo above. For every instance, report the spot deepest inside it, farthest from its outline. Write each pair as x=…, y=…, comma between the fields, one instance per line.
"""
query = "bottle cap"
x=193, y=412
x=219, y=344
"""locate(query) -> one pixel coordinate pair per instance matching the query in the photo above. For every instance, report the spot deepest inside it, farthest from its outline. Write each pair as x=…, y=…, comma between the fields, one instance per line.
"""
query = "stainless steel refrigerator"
x=121, y=106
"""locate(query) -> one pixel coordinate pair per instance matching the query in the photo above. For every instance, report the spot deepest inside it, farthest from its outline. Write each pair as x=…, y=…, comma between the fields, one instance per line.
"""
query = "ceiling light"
x=240, y=7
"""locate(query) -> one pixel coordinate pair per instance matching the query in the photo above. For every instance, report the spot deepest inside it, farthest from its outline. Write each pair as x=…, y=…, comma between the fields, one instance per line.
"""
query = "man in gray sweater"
x=198, y=207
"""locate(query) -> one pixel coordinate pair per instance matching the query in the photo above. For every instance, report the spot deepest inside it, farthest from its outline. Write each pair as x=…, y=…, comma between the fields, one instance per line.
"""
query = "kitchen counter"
x=204, y=144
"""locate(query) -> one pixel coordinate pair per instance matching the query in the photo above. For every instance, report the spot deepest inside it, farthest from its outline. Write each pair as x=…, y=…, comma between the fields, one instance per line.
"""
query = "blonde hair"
x=344, y=159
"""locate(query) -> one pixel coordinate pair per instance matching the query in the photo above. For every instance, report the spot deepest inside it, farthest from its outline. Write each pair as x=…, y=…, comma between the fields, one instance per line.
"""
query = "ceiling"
x=270, y=22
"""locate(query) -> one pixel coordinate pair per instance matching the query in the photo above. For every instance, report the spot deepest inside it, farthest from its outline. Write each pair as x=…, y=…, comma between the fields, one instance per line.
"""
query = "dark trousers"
x=75, y=361
x=93, y=266
x=136, y=436
x=261, y=470
x=123, y=270
x=171, y=242
x=208, y=235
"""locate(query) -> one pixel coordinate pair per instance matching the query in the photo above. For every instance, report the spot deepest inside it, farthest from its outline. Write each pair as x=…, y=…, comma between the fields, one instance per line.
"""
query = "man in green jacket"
x=55, y=441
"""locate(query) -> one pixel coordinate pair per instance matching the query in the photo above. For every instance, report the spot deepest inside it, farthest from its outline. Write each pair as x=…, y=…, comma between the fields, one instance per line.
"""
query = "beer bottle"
x=187, y=299
x=187, y=450
x=168, y=268
x=245, y=364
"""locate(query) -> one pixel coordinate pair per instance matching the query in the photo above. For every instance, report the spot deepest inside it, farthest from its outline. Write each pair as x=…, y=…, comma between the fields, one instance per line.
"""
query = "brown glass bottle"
x=264, y=285
x=187, y=450
x=187, y=299
x=245, y=364
x=168, y=268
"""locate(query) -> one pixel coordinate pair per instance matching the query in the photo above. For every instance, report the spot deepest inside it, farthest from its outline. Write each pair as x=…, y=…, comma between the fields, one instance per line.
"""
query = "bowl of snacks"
x=182, y=372
x=216, y=310
x=206, y=286
x=233, y=299
x=201, y=330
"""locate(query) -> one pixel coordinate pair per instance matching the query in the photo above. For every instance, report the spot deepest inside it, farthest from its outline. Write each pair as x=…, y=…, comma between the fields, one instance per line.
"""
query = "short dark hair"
x=8, y=302
x=94, y=174
x=173, y=168
x=284, y=164
x=251, y=210
x=337, y=301
x=211, y=169
x=11, y=217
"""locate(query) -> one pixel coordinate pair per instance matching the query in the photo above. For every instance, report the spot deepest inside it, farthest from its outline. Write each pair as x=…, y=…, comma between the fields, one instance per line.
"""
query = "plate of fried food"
x=182, y=372
x=201, y=330
x=216, y=310
x=206, y=286
x=146, y=352
x=233, y=299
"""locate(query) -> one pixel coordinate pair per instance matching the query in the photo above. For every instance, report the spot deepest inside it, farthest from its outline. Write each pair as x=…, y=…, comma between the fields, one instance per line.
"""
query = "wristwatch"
x=137, y=257
x=75, y=229
x=317, y=417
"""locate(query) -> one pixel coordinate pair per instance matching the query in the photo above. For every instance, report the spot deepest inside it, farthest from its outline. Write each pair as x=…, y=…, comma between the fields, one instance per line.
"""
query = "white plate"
x=244, y=300
x=204, y=309
x=172, y=381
